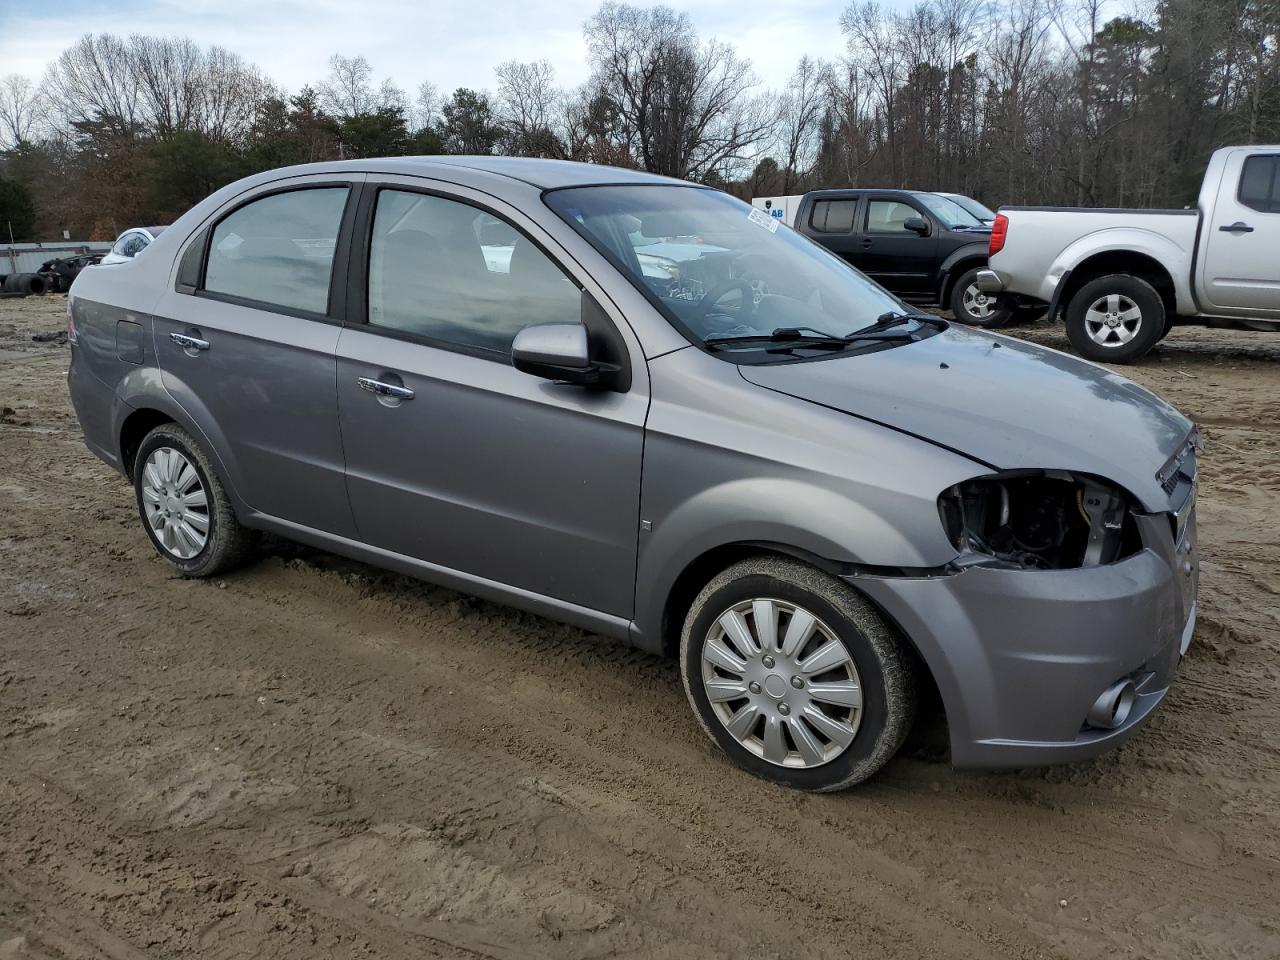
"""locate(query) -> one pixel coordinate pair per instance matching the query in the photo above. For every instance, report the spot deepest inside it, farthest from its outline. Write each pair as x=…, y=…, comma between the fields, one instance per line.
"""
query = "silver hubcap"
x=976, y=303
x=782, y=683
x=1113, y=320
x=175, y=502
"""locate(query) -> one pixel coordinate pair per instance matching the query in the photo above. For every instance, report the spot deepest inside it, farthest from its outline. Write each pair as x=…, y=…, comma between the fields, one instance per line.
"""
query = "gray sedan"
x=743, y=453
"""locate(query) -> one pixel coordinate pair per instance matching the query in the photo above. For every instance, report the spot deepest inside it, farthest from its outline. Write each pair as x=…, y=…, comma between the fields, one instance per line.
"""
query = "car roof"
x=836, y=193
x=542, y=173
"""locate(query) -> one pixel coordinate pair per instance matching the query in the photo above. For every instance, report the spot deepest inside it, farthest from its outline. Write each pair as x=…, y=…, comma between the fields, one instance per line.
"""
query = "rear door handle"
x=1237, y=227
x=189, y=343
x=384, y=389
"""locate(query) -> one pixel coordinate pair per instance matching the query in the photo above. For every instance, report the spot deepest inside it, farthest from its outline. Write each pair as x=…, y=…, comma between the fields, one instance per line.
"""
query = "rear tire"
x=972, y=307
x=1115, y=319
x=850, y=667
x=184, y=507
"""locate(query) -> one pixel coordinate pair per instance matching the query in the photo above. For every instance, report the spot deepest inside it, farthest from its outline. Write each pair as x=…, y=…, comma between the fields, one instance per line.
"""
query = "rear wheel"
x=1115, y=319
x=972, y=306
x=795, y=676
x=184, y=507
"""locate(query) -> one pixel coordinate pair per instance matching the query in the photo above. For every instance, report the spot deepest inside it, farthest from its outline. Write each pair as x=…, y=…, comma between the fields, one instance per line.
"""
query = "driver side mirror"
x=917, y=225
x=560, y=352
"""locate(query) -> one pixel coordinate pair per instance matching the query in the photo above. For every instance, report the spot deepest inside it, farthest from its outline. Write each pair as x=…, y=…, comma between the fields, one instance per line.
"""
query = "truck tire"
x=1115, y=319
x=972, y=307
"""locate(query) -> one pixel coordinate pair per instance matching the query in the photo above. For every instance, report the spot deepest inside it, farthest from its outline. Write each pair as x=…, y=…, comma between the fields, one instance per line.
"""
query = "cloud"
x=451, y=44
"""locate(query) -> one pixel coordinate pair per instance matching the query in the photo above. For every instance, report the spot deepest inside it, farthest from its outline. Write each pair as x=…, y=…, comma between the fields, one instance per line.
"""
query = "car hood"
x=1005, y=403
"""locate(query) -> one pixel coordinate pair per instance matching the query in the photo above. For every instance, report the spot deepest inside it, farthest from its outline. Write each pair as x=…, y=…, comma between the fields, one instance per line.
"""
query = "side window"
x=278, y=250
x=1260, y=184
x=833, y=216
x=450, y=272
x=889, y=216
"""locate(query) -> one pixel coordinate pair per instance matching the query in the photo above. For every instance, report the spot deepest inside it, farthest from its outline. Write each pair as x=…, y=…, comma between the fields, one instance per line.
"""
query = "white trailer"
x=780, y=208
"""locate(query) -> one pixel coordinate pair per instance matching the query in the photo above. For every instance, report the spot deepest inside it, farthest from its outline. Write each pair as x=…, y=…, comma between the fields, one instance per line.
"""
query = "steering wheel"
x=716, y=293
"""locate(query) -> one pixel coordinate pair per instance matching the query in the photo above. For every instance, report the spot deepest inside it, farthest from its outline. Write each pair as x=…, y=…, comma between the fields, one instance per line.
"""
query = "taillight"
x=71, y=323
x=999, y=230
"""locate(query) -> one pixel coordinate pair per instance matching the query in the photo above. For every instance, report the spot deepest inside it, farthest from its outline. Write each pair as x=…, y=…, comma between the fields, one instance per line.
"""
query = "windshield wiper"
x=893, y=318
x=786, y=338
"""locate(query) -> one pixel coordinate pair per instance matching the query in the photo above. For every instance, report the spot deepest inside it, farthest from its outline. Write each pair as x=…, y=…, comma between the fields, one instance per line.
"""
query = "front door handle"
x=1237, y=227
x=384, y=389
x=189, y=343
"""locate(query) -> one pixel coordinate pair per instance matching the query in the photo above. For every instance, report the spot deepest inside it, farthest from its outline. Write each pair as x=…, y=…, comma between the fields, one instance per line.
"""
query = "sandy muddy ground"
x=312, y=758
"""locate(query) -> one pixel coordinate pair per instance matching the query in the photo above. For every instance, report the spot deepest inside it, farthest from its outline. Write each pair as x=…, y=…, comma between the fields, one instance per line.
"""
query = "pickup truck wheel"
x=795, y=676
x=977, y=309
x=1115, y=319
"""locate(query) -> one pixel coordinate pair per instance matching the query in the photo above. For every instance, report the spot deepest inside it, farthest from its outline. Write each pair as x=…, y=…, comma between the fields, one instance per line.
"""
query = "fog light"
x=1111, y=709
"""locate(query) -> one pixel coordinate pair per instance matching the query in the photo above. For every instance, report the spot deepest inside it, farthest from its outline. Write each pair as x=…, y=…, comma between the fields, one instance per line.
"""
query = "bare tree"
x=19, y=109
x=684, y=107
x=93, y=81
x=527, y=106
x=349, y=89
x=799, y=116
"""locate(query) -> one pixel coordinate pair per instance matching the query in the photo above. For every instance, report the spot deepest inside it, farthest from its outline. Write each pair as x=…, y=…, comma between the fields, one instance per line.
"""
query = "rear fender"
x=1175, y=259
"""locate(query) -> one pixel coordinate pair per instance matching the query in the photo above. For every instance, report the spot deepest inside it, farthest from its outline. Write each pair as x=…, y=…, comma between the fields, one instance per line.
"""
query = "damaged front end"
x=1039, y=520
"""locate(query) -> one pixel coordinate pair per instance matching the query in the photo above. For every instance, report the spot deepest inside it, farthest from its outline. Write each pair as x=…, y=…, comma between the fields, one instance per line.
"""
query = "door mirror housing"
x=561, y=352
x=917, y=225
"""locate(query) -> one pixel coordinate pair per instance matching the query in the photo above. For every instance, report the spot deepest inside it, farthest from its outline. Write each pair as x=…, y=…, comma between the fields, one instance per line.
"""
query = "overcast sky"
x=452, y=44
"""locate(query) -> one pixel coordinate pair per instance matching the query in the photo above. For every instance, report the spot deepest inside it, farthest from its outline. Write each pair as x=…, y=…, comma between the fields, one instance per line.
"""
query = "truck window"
x=889, y=216
x=1260, y=184
x=833, y=216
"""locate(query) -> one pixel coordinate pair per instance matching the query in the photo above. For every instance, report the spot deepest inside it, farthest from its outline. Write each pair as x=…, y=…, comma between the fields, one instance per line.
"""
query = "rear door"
x=246, y=344
x=476, y=466
x=898, y=259
x=1240, y=270
x=829, y=221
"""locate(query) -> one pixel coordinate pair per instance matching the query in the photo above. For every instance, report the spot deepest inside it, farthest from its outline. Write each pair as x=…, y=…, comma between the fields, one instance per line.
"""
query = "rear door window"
x=1260, y=184
x=278, y=250
x=833, y=216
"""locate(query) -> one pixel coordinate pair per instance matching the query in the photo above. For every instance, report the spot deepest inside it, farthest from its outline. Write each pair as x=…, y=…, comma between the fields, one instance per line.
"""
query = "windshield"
x=984, y=213
x=949, y=212
x=717, y=269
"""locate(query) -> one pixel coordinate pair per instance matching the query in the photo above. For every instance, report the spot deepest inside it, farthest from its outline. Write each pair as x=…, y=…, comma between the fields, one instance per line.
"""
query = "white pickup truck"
x=1122, y=278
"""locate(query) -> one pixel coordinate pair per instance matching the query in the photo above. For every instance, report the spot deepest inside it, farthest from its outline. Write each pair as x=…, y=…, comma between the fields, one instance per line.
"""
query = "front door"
x=898, y=259
x=471, y=464
x=248, y=350
x=1241, y=272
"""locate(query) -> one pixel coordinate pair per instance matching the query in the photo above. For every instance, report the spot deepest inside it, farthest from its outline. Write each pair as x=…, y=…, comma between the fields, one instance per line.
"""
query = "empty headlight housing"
x=1039, y=520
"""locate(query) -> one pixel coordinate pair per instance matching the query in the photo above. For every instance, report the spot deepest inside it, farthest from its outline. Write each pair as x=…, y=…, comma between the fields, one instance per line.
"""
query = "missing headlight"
x=1040, y=520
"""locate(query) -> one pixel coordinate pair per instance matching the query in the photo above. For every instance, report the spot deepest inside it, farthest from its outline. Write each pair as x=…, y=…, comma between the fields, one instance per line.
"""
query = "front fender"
x=1170, y=254
x=803, y=519
x=970, y=251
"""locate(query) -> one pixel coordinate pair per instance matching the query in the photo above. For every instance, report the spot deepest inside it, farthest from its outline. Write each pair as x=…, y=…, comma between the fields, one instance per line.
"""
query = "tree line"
x=1016, y=101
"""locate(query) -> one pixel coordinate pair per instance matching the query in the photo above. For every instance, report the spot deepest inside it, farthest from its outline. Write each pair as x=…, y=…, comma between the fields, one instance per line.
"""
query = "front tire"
x=795, y=676
x=1115, y=319
x=184, y=507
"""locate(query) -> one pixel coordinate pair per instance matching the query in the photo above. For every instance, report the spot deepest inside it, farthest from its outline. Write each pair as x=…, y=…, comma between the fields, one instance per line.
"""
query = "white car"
x=1122, y=278
x=131, y=243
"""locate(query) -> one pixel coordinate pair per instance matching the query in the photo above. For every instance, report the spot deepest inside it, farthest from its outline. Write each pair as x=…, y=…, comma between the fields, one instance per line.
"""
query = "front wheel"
x=795, y=676
x=1115, y=319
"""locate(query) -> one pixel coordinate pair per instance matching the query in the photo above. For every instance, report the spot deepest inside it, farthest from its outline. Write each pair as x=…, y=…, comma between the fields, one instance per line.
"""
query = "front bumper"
x=1019, y=656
